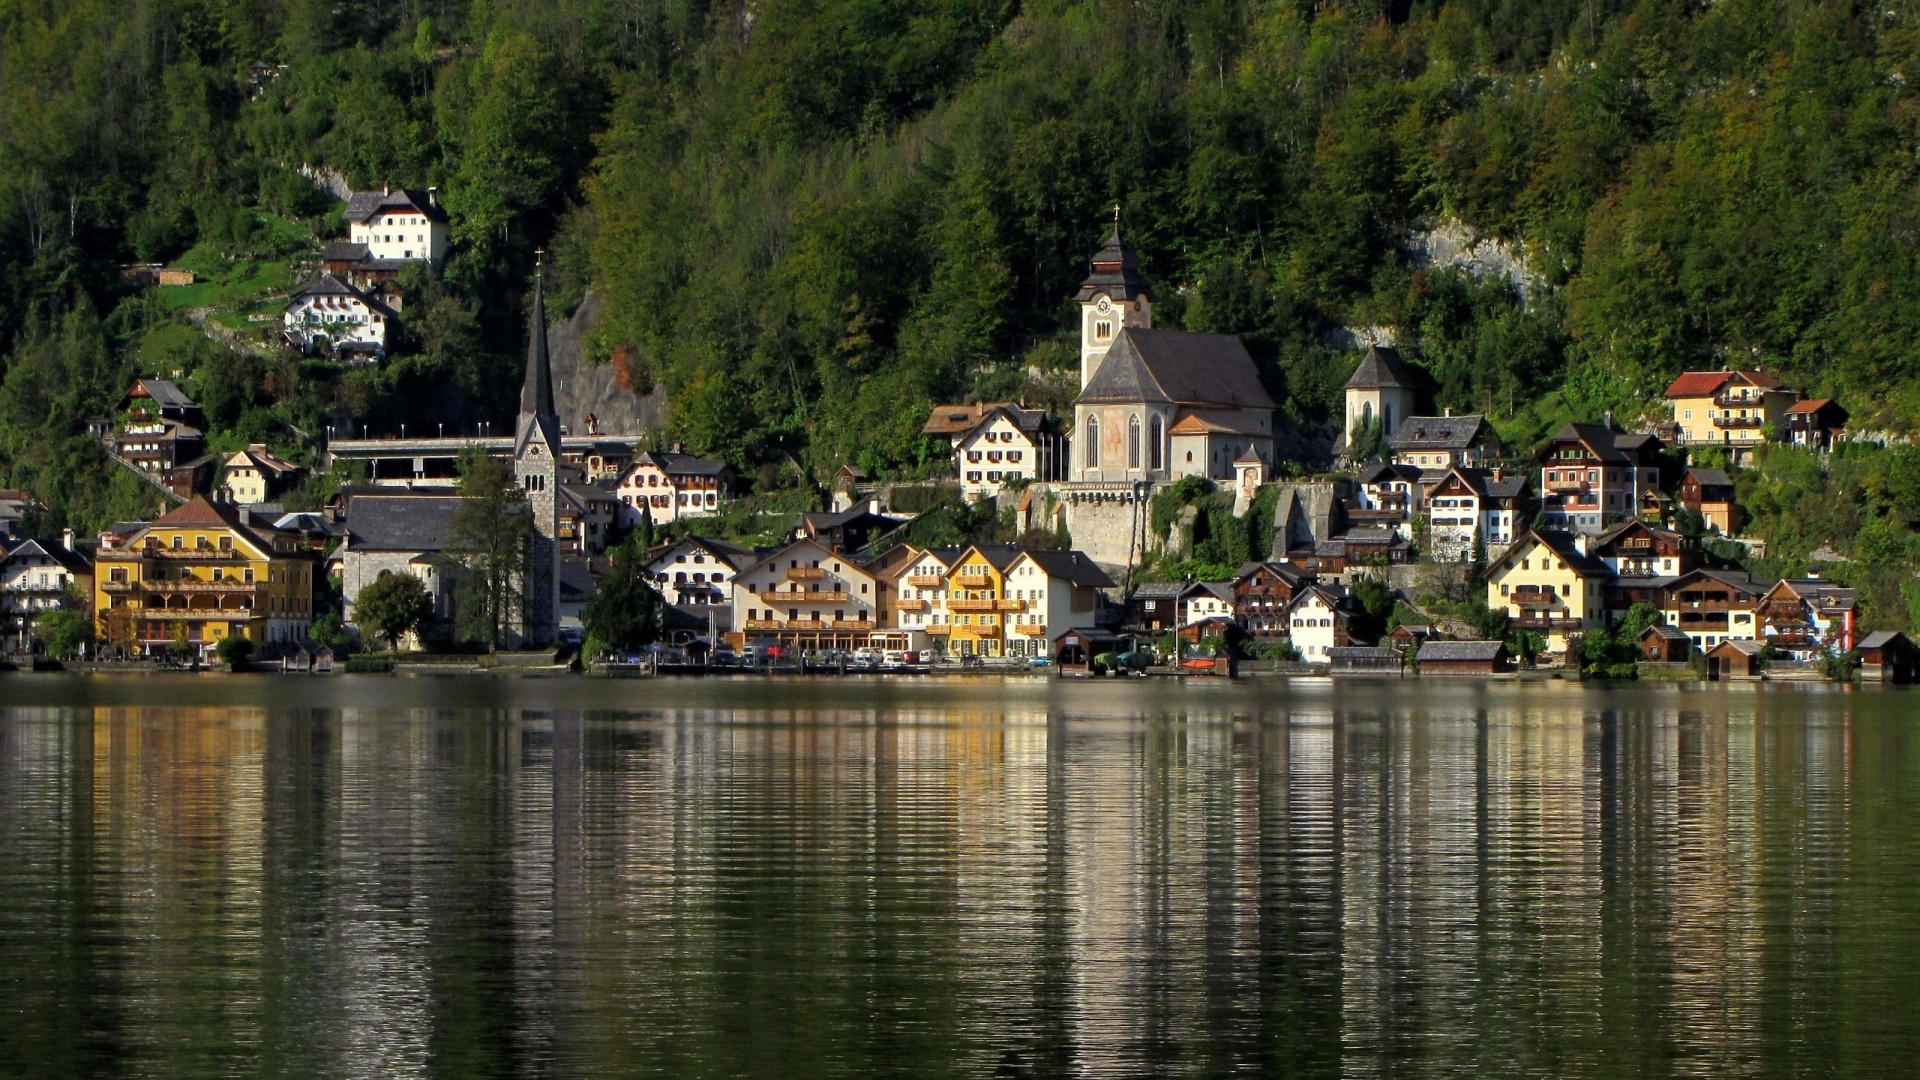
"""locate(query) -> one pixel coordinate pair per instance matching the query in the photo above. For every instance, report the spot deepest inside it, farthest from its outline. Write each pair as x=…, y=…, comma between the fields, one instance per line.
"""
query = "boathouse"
x=1742, y=659
x=1664, y=644
x=1463, y=658
x=1889, y=657
x=1363, y=660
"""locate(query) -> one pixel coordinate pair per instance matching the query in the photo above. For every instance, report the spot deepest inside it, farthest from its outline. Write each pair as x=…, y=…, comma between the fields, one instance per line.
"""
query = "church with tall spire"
x=538, y=469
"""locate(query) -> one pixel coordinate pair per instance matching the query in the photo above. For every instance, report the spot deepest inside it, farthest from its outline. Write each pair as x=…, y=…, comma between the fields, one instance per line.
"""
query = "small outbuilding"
x=1664, y=644
x=1075, y=649
x=1887, y=656
x=1463, y=658
x=1740, y=659
x=1363, y=660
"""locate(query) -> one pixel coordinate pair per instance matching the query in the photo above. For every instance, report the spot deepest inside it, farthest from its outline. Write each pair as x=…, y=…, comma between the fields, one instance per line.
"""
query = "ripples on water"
x=469, y=877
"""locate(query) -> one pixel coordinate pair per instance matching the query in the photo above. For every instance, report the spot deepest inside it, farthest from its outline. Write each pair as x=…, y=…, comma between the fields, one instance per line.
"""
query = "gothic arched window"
x=1155, y=459
x=1093, y=442
x=1133, y=441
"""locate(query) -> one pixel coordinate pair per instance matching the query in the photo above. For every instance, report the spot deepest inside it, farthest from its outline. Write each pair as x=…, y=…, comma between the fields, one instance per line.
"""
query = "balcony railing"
x=973, y=581
x=1030, y=630
x=1543, y=622
x=1739, y=421
x=940, y=629
x=809, y=624
x=805, y=573
x=796, y=597
x=198, y=554
x=971, y=605
x=1536, y=601
x=912, y=605
x=198, y=585
x=1010, y=605
x=927, y=581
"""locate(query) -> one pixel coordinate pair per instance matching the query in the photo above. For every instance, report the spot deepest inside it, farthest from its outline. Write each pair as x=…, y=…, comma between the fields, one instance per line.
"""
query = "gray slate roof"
x=1440, y=432
x=1879, y=639
x=400, y=522
x=683, y=464
x=343, y=251
x=1612, y=447
x=166, y=395
x=1381, y=368
x=362, y=205
x=328, y=285
x=1710, y=477
x=1461, y=650
x=1158, y=590
x=1072, y=566
x=1170, y=366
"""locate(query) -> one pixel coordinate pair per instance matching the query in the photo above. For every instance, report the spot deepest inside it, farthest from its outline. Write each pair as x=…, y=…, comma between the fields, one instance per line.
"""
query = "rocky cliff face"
x=581, y=389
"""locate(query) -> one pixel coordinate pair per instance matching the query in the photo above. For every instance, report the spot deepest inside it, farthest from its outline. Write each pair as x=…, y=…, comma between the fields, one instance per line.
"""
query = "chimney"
x=676, y=448
x=1581, y=541
x=66, y=539
x=1448, y=411
x=386, y=189
x=1608, y=421
x=433, y=196
x=1498, y=472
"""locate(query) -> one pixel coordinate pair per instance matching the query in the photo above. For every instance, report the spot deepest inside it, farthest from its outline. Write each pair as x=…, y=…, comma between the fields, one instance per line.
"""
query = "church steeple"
x=537, y=469
x=1115, y=296
x=538, y=416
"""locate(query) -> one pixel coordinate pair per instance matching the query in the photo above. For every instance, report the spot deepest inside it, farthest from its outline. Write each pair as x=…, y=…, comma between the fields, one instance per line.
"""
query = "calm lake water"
x=470, y=877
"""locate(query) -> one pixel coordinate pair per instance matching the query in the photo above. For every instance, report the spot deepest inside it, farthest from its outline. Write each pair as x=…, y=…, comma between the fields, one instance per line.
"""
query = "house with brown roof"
x=1727, y=408
x=1548, y=583
x=1737, y=659
x=1469, y=504
x=994, y=444
x=1712, y=606
x=1814, y=423
x=256, y=474
x=1710, y=494
x=1801, y=617
x=1593, y=475
x=1887, y=656
x=1138, y=385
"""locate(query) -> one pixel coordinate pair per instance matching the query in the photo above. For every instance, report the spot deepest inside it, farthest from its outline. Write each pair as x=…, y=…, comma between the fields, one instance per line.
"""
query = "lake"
x=494, y=876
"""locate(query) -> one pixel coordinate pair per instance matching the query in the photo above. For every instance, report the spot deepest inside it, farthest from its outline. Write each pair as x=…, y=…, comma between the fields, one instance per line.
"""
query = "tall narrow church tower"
x=1114, y=296
x=536, y=466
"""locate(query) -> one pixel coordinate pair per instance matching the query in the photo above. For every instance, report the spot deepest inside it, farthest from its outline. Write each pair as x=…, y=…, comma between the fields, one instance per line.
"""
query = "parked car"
x=723, y=656
x=1040, y=662
x=868, y=658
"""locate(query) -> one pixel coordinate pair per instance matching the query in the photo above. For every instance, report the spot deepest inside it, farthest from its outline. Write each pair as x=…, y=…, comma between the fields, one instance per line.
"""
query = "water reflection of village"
x=1510, y=876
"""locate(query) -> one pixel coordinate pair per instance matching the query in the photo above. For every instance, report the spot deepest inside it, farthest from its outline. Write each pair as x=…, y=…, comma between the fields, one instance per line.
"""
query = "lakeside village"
x=1433, y=550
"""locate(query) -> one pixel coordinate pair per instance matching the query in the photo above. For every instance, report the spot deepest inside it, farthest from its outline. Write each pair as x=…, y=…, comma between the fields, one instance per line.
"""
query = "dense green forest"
x=811, y=218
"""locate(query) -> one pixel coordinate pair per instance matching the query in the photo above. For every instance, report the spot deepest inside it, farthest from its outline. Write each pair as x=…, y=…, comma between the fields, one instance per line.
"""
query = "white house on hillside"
x=671, y=486
x=994, y=444
x=399, y=224
x=329, y=315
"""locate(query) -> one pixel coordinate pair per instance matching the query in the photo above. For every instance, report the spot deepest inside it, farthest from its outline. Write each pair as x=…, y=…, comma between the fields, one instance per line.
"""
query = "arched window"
x=1366, y=413
x=1133, y=441
x=1156, y=460
x=1386, y=419
x=1093, y=442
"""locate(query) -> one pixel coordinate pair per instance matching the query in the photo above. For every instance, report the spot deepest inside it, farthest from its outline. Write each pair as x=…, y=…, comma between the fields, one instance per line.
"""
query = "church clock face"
x=1105, y=305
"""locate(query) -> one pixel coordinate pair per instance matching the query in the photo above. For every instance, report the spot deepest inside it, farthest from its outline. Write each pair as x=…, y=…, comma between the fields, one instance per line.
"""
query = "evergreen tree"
x=490, y=534
x=625, y=610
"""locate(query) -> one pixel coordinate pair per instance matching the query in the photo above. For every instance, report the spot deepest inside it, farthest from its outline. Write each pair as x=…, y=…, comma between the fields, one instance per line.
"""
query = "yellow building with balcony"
x=200, y=573
x=978, y=609
x=1728, y=408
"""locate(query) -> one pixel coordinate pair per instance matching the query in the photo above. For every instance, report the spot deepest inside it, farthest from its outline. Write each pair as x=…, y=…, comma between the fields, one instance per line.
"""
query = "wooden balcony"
x=196, y=585
x=796, y=597
x=1030, y=630
x=911, y=605
x=1536, y=601
x=1739, y=422
x=927, y=581
x=196, y=554
x=1569, y=487
x=1009, y=605
x=973, y=581
x=972, y=605
x=806, y=573
x=940, y=629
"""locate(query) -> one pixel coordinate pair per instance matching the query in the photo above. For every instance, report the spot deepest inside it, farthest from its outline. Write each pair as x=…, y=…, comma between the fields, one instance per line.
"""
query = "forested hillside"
x=810, y=218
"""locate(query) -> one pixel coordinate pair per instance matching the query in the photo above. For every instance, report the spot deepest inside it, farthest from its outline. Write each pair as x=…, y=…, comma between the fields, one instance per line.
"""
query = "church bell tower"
x=536, y=467
x=1115, y=296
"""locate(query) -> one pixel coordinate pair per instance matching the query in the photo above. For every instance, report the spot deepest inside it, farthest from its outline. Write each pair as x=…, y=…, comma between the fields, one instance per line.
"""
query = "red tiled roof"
x=1708, y=383
x=195, y=511
x=1810, y=405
